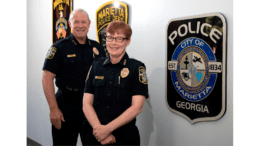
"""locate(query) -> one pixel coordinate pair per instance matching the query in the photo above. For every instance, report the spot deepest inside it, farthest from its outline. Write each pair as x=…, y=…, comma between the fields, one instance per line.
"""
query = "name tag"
x=99, y=77
x=71, y=55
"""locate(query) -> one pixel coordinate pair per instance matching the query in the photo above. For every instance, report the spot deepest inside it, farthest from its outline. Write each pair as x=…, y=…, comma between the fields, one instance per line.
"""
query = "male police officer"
x=115, y=91
x=68, y=61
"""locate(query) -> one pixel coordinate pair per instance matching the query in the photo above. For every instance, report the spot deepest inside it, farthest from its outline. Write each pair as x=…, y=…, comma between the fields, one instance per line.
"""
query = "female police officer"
x=115, y=91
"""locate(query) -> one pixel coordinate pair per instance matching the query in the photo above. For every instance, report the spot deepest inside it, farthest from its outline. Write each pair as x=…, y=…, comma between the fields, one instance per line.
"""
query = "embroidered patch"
x=124, y=72
x=71, y=55
x=142, y=75
x=95, y=50
x=51, y=52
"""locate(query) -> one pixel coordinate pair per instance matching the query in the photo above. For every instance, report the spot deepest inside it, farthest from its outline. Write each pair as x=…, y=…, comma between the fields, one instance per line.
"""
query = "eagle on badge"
x=142, y=75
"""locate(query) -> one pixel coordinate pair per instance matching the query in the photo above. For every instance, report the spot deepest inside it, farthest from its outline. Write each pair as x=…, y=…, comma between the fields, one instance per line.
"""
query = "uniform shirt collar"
x=75, y=42
x=123, y=61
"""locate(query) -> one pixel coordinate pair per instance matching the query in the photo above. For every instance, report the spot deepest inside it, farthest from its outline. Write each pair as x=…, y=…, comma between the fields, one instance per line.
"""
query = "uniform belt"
x=71, y=96
x=69, y=89
x=59, y=91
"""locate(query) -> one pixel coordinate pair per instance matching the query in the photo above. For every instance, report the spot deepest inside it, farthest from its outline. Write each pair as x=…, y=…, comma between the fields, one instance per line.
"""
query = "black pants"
x=127, y=137
x=72, y=127
x=131, y=142
x=68, y=134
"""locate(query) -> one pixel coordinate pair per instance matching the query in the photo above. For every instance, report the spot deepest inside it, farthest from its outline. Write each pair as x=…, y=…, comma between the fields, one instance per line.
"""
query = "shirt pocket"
x=123, y=89
x=98, y=88
x=73, y=65
x=69, y=60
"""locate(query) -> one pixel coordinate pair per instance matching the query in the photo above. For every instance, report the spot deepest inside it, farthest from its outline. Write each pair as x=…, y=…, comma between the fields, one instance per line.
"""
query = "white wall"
x=148, y=19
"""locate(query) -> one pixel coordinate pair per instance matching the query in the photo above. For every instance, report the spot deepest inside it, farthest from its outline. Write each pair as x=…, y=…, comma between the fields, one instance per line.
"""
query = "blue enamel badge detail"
x=192, y=77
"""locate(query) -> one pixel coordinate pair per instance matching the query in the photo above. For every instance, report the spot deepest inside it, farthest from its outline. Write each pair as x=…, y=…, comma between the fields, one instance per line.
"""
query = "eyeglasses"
x=118, y=39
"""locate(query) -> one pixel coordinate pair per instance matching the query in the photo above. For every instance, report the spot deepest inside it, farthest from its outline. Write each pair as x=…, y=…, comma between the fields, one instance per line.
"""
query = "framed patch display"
x=197, y=67
x=61, y=10
x=108, y=12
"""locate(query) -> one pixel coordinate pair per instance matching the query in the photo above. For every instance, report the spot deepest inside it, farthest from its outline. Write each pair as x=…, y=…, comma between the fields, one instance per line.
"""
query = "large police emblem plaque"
x=108, y=12
x=196, y=67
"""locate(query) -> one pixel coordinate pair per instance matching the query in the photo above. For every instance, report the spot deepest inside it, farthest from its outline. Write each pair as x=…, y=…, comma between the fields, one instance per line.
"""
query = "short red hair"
x=119, y=27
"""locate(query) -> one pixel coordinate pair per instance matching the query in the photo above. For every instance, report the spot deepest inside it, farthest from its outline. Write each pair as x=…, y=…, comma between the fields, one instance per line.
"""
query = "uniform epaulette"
x=59, y=41
x=94, y=43
x=100, y=59
x=135, y=61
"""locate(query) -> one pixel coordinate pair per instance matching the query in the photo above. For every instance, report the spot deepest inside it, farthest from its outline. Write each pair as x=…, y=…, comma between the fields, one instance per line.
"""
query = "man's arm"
x=48, y=86
x=127, y=116
x=93, y=119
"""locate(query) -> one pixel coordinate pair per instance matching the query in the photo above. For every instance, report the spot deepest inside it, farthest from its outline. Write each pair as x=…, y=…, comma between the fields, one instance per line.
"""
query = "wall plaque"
x=108, y=12
x=196, y=67
x=60, y=19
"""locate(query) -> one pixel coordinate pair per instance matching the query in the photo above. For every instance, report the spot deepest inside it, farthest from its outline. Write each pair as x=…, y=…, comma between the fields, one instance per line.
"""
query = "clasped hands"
x=103, y=135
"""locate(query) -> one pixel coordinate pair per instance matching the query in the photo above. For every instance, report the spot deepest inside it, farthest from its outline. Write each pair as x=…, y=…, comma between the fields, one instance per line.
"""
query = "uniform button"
x=107, y=106
x=110, y=82
x=108, y=94
x=112, y=72
x=122, y=84
x=105, y=120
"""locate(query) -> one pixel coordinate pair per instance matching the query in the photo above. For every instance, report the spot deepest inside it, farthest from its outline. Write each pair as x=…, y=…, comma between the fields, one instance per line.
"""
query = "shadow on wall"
x=146, y=122
x=154, y=122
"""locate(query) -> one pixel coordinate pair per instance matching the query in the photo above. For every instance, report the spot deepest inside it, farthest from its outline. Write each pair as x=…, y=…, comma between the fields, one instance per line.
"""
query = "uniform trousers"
x=126, y=137
x=68, y=134
x=72, y=127
x=130, y=142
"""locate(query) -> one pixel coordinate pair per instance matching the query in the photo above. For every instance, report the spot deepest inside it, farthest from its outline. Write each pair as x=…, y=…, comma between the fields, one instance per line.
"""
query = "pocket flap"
x=99, y=82
x=123, y=83
x=72, y=60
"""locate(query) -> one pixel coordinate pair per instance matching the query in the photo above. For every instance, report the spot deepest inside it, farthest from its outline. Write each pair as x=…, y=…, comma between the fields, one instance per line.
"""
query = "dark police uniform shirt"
x=113, y=86
x=70, y=61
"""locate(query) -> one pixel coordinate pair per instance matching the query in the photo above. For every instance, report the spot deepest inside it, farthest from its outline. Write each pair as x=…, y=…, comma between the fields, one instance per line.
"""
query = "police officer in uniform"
x=115, y=91
x=68, y=61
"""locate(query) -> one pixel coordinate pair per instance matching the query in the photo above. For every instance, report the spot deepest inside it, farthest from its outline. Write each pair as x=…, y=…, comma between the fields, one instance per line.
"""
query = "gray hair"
x=77, y=10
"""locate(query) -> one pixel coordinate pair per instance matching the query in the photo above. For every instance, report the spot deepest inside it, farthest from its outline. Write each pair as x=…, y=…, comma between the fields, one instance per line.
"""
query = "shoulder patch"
x=134, y=61
x=142, y=75
x=51, y=52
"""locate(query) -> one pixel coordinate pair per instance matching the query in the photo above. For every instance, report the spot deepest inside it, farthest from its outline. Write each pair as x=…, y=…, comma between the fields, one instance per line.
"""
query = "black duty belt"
x=69, y=89
x=59, y=91
x=72, y=96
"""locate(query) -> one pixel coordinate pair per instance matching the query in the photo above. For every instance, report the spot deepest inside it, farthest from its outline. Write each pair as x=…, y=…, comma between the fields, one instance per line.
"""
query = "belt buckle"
x=69, y=88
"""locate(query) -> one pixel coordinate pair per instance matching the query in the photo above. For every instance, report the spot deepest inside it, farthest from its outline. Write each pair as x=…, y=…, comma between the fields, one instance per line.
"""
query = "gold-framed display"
x=61, y=10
